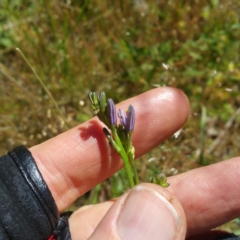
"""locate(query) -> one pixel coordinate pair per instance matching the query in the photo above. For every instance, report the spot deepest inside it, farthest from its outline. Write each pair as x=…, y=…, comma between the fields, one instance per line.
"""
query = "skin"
x=75, y=161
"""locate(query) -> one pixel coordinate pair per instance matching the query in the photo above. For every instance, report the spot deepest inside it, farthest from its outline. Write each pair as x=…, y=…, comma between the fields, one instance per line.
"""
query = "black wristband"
x=27, y=208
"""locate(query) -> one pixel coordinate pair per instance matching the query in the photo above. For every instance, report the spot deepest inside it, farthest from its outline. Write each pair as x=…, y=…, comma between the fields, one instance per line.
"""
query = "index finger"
x=77, y=160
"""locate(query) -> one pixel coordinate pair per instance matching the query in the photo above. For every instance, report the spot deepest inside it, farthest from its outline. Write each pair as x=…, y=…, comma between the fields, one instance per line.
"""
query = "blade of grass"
x=44, y=87
x=203, y=131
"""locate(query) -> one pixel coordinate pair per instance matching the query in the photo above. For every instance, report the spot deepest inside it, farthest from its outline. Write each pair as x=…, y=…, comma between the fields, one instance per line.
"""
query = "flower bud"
x=94, y=101
x=111, y=112
x=160, y=179
x=102, y=101
x=128, y=120
x=122, y=117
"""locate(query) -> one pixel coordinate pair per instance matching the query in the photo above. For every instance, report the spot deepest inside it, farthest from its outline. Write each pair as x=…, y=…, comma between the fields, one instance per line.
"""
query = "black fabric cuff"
x=27, y=208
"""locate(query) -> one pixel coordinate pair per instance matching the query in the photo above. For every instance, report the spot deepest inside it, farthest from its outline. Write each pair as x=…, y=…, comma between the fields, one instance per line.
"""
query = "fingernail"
x=147, y=215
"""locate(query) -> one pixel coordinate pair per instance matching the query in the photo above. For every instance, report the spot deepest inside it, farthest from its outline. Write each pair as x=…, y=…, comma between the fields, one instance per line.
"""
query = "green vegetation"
x=122, y=48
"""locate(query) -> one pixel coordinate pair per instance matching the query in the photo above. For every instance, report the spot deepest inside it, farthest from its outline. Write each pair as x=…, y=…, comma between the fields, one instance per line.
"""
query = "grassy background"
x=123, y=48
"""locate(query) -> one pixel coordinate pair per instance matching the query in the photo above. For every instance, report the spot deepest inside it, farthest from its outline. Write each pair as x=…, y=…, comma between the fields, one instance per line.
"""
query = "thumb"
x=147, y=211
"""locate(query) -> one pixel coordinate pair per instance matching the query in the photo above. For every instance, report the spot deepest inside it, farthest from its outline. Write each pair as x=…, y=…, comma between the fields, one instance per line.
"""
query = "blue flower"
x=128, y=120
x=111, y=112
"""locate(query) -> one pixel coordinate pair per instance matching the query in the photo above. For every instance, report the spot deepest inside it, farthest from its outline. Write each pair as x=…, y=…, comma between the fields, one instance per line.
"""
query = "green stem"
x=133, y=165
x=130, y=151
x=124, y=156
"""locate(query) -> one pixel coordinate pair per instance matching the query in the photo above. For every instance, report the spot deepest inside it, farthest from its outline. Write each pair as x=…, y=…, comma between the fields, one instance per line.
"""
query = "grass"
x=124, y=49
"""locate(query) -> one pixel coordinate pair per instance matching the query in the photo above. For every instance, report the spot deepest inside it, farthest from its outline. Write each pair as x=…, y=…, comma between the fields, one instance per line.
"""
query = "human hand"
x=75, y=161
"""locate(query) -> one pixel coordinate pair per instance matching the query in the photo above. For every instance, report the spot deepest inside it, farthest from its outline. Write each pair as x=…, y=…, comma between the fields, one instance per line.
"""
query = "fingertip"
x=159, y=114
x=171, y=102
x=147, y=211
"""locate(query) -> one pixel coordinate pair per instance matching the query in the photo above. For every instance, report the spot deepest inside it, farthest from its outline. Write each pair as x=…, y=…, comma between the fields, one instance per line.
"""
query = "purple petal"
x=122, y=117
x=130, y=119
x=111, y=112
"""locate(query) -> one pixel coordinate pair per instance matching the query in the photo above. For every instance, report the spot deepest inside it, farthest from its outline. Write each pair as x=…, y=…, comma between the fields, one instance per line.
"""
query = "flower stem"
x=133, y=165
x=124, y=156
x=130, y=152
